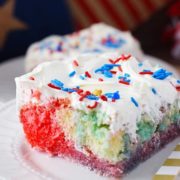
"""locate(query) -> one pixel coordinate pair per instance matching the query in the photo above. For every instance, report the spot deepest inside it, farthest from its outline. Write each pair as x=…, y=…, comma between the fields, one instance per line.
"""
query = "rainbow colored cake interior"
x=107, y=112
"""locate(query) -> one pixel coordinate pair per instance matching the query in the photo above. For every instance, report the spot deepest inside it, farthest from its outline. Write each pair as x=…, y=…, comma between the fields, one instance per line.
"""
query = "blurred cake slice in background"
x=97, y=38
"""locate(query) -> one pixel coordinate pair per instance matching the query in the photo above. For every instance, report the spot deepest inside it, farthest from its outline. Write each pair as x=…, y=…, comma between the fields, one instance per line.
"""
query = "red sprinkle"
x=120, y=68
x=117, y=60
x=79, y=91
x=88, y=92
x=93, y=106
x=113, y=72
x=103, y=97
x=124, y=82
x=178, y=88
x=87, y=74
x=52, y=86
x=84, y=95
x=146, y=72
x=32, y=78
x=111, y=61
x=75, y=63
x=124, y=58
x=113, y=100
x=100, y=79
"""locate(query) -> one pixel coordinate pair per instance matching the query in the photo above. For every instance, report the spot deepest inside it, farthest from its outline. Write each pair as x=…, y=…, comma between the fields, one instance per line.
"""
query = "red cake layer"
x=43, y=132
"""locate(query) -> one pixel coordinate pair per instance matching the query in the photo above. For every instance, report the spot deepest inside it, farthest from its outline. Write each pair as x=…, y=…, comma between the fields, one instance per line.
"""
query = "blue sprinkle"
x=134, y=101
x=64, y=89
x=120, y=77
x=57, y=83
x=105, y=70
x=59, y=48
x=161, y=74
x=140, y=64
x=98, y=70
x=154, y=91
x=92, y=97
x=71, y=90
x=178, y=81
x=72, y=73
x=108, y=74
x=82, y=77
x=127, y=75
x=116, y=95
x=68, y=89
x=109, y=95
x=124, y=78
x=127, y=80
x=113, y=95
x=106, y=67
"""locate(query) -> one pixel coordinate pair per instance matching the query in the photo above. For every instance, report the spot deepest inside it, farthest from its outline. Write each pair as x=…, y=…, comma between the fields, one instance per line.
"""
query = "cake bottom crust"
x=45, y=134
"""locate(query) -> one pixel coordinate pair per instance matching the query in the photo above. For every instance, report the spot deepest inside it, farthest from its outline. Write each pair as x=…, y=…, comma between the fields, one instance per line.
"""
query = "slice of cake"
x=106, y=112
x=98, y=38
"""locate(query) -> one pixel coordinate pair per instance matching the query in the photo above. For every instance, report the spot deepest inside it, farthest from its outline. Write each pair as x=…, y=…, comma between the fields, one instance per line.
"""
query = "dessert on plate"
x=97, y=38
x=105, y=111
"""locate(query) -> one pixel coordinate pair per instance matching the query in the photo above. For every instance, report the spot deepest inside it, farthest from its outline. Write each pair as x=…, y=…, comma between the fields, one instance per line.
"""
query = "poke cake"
x=104, y=111
x=97, y=38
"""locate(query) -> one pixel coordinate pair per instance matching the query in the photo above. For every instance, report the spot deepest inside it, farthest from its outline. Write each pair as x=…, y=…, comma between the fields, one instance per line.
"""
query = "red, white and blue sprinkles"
x=111, y=42
x=110, y=71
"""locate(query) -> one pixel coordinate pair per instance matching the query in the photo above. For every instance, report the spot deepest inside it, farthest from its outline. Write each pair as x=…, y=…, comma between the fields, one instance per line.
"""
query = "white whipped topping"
x=85, y=41
x=123, y=113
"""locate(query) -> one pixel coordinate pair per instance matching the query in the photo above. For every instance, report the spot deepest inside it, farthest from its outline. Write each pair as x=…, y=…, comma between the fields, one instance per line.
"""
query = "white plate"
x=18, y=161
